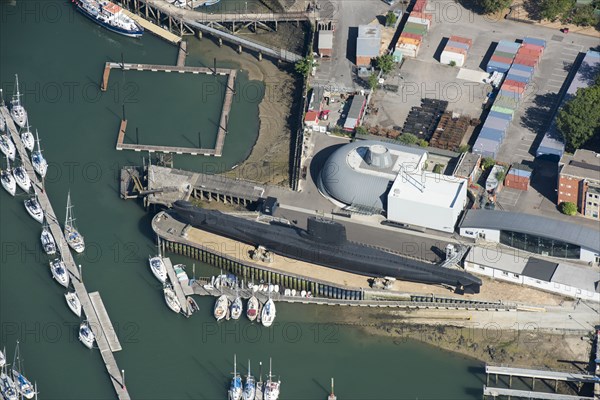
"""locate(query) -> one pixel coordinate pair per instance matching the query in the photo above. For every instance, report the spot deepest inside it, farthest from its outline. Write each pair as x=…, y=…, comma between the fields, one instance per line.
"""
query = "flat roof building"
x=357, y=107
x=368, y=44
x=325, y=44
x=579, y=182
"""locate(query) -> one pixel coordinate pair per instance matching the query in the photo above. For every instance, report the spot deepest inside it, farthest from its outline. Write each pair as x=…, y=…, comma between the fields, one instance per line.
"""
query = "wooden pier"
x=179, y=289
x=154, y=29
x=107, y=327
x=217, y=151
x=86, y=302
x=182, y=53
x=495, y=392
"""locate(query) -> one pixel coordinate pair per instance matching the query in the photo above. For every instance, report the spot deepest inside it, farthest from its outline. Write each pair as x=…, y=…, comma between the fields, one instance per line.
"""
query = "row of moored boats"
x=252, y=389
x=226, y=309
x=20, y=176
x=13, y=384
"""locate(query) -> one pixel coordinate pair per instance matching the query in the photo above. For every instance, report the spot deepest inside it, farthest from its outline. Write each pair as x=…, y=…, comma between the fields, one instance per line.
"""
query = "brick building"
x=579, y=181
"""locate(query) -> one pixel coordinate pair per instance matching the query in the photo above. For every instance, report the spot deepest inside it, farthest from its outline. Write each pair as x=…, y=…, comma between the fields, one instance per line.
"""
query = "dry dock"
x=91, y=312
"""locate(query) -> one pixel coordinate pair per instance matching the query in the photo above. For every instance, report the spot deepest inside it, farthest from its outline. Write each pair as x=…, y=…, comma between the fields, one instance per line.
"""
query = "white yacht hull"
x=221, y=306
x=28, y=140
x=8, y=387
x=23, y=385
x=8, y=147
x=252, y=308
x=86, y=336
x=8, y=183
x=157, y=266
x=48, y=243
x=236, y=308
x=74, y=239
x=35, y=212
x=39, y=164
x=268, y=313
x=171, y=300
x=73, y=303
x=19, y=115
x=22, y=178
x=59, y=272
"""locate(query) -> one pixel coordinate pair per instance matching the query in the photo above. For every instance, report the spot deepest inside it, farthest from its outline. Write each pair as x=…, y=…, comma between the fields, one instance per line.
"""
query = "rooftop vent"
x=378, y=156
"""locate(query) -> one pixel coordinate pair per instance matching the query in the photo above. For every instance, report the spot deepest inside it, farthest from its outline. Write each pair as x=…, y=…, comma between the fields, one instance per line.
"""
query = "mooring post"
x=259, y=56
x=533, y=383
x=220, y=42
x=509, y=381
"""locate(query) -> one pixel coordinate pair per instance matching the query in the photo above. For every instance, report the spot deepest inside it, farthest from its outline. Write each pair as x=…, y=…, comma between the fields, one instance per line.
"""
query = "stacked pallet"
x=450, y=131
x=456, y=51
x=503, y=56
x=415, y=29
x=518, y=76
x=422, y=121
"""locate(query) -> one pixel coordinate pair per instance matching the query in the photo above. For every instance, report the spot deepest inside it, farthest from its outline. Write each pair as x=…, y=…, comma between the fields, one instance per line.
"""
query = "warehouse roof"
x=582, y=164
x=540, y=269
x=428, y=188
x=579, y=277
x=325, y=39
x=368, y=41
x=534, y=225
x=498, y=257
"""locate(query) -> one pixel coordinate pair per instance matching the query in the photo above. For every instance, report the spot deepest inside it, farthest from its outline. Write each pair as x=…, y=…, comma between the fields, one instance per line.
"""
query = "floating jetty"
x=217, y=151
x=154, y=29
x=91, y=303
x=181, y=291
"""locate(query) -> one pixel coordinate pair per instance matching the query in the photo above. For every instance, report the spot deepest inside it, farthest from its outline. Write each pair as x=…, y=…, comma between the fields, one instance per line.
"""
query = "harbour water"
x=59, y=57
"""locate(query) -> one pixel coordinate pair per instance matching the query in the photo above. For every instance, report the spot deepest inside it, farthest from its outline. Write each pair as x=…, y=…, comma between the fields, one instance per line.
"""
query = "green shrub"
x=568, y=208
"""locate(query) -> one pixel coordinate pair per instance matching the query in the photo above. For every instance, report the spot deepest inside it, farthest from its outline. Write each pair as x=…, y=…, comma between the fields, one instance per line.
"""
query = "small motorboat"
x=86, y=336
x=268, y=313
x=171, y=298
x=221, y=307
x=73, y=303
x=48, y=243
x=236, y=308
x=252, y=308
x=59, y=272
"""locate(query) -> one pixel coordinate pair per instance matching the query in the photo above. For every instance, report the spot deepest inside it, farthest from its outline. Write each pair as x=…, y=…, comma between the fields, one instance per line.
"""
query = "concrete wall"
x=489, y=235
x=588, y=255
x=421, y=214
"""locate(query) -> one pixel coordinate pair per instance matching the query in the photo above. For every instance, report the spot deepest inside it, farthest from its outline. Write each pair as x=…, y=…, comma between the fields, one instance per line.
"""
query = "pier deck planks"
x=107, y=326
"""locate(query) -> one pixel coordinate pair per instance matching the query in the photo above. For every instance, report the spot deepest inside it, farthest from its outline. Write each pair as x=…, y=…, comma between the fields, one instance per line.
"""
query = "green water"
x=165, y=356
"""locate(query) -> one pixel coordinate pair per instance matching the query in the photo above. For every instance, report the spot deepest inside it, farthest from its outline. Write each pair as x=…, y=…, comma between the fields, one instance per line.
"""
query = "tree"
x=304, y=66
x=487, y=162
x=423, y=143
x=373, y=81
x=583, y=15
x=361, y=130
x=492, y=6
x=390, y=18
x=500, y=175
x=579, y=119
x=568, y=208
x=438, y=168
x=408, y=138
x=385, y=63
x=553, y=9
x=464, y=148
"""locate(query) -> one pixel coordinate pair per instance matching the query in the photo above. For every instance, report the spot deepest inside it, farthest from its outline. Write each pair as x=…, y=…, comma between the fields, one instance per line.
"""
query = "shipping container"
x=529, y=53
x=518, y=177
x=457, y=50
x=496, y=114
x=458, y=44
x=522, y=67
x=499, y=124
x=415, y=25
x=515, y=83
x=515, y=71
x=411, y=41
x=506, y=102
x=511, y=94
x=519, y=78
x=534, y=47
x=536, y=41
x=421, y=15
x=447, y=57
x=486, y=147
x=421, y=21
x=504, y=54
x=502, y=60
x=510, y=88
x=494, y=66
x=503, y=110
x=511, y=45
x=525, y=60
x=505, y=50
x=460, y=39
x=491, y=134
x=411, y=35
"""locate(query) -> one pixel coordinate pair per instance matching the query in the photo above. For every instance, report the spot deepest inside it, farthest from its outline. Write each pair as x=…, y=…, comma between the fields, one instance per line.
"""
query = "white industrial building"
x=519, y=267
x=374, y=177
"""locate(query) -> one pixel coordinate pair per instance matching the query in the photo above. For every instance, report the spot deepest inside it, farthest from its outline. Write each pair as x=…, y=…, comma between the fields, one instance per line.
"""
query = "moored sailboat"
x=27, y=138
x=171, y=298
x=22, y=384
x=221, y=306
x=7, y=146
x=236, y=307
x=48, y=243
x=59, y=271
x=73, y=303
x=8, y=389
x=157, y=265
x=34, y=209
x=74, y=238
x=8, y=181
x=249, y=386
x=235, y=389
x=40, y=165
x=17, y=111
x=272, y=387
x=268, y=313
x=252, y=308
x=86, y=336
x=22, y=178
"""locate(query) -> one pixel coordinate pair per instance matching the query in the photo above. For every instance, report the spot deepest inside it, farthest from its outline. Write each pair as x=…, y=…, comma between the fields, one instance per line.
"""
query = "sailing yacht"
x=37, y=159
x=23, y=385
x=268, y=313
x=157, y=265
x=48, y=243
x=73, y=303
x=250, y=386
x=7, y=147
x=259, y=384
x=252, y=308
x=7, y=386
x=59, y=271
x=236, y=307
x=27, y=138
x=221, y=305
x=2, y=122
x=271, y=387
x=8, y=181
x=22, y=178
x=2, y=358
x=171, y=298
x=74, y=238
x=17, y=111
x=86, y=336
x=235, y=390
x=34, y=209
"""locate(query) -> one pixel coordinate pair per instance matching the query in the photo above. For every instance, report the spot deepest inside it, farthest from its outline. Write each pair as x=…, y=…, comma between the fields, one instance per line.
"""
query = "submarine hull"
x=324, y=243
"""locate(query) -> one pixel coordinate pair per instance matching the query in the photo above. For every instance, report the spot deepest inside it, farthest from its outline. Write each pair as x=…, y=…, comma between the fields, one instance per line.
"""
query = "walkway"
x=526, y=394
x=541, y=374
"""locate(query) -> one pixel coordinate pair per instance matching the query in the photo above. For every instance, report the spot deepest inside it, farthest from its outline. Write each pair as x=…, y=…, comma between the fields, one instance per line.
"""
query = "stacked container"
x=416, y=27
x=456, y=50
x=503, y=56
x=518, y=76
x=518, y=177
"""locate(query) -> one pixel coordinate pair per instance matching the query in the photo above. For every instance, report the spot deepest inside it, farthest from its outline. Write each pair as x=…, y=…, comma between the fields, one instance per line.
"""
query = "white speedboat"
x=221, y=307
x=48, y=243
x=40, y=165
x=17, y=111
x=27, y=138
x=86, y=336
x=171, y=298
x=236, y=308
x=252, y=308
x=73, y=303
x=74, y=238
x=249, y=386
x=272, y=387
x=235, y=389
x=59, y=271
x=34, y=209
x=22, y=178
x=23, y=385
x=8, y=180
x=7, y=386
x=7, y=147
x=268, y=313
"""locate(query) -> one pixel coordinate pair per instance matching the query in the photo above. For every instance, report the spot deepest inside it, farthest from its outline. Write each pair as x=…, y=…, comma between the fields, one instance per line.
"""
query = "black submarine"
x=323, y=243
